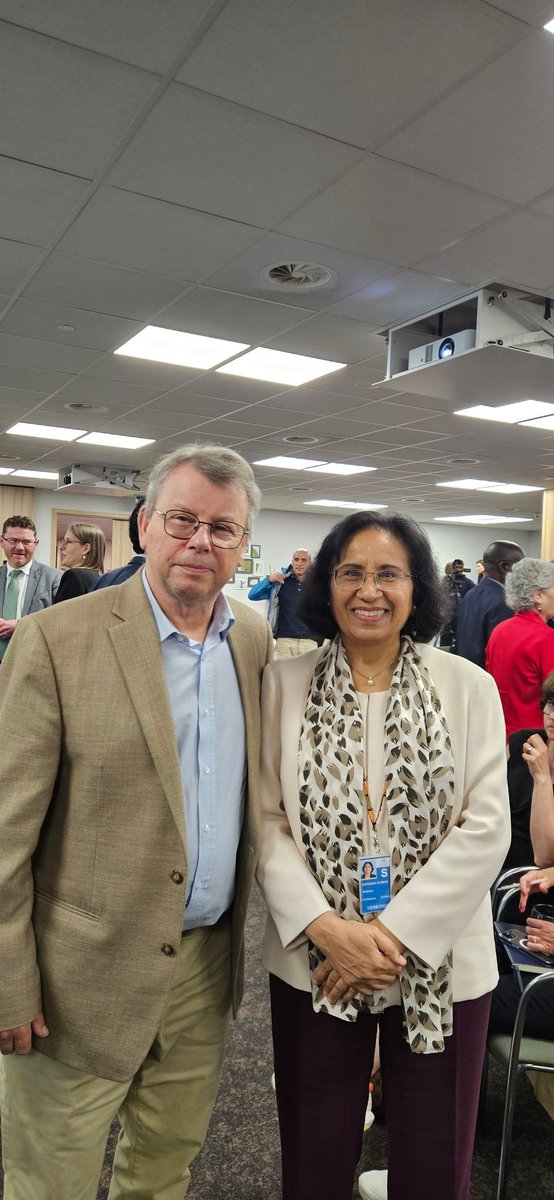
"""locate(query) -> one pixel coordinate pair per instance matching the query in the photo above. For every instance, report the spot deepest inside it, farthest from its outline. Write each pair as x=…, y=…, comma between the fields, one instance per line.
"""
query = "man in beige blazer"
x=129, y=832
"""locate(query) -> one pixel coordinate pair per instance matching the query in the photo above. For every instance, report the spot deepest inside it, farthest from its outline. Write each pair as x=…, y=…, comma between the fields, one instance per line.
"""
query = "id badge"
x=374, y=877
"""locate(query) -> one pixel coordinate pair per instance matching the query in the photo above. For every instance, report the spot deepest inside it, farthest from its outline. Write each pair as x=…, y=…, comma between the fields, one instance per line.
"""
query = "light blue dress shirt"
x=211, y=741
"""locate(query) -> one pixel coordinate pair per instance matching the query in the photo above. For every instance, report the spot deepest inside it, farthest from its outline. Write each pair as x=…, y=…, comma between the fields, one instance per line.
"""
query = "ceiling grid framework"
x=153, y=168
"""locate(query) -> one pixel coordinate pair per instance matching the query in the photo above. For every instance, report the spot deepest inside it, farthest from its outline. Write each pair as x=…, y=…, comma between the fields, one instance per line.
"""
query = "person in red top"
x=520, y=651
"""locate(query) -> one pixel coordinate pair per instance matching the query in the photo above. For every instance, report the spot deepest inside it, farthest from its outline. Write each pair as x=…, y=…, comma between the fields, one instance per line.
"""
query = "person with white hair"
x=520, y=651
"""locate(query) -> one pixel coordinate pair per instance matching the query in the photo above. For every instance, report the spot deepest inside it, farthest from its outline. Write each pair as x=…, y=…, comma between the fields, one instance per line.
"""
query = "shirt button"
x=206, y=770
x=207, y=828
x=206, y=712
x=167, y=949
x=177, y=877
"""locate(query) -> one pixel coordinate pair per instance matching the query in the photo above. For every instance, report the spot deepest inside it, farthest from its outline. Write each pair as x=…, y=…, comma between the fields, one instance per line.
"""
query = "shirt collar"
x=220, y=625
x=25, y=570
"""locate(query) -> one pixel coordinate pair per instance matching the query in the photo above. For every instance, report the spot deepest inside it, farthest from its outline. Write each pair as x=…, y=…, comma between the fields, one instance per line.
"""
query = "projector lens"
x=446, y=348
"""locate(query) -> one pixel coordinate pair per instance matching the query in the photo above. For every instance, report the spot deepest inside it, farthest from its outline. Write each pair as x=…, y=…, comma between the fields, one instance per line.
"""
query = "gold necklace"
x=370, y=679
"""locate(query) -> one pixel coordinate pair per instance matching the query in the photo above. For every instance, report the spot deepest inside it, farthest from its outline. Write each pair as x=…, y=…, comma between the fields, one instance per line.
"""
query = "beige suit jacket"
x=92, y=825
x=446, y=904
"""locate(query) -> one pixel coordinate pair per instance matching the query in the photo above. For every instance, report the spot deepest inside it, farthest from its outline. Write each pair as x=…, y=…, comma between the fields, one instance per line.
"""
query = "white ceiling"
x=156, y=159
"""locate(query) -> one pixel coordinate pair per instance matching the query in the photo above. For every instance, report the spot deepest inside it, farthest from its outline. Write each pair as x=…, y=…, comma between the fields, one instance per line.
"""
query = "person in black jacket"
x=82, y=557
x=484, y=607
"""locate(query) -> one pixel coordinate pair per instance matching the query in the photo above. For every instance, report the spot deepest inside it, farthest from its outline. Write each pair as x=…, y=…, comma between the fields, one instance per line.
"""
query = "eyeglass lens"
x=224, y=534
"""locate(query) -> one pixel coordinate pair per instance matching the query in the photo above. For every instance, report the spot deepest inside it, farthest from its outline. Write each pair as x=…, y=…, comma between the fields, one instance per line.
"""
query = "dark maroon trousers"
x=322, y=1072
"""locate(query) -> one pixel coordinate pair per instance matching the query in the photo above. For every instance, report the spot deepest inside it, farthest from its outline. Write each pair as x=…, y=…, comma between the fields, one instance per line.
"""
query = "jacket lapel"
x=137, y=647
x=32, y=584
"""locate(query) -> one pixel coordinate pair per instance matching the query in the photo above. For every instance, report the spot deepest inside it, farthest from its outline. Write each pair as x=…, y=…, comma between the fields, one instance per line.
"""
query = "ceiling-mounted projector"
x=441, y=348
x=92, y=476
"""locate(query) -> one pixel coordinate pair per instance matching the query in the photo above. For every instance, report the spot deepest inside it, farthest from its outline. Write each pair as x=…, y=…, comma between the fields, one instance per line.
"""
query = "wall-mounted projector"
x=103, y=478
x=441, y=348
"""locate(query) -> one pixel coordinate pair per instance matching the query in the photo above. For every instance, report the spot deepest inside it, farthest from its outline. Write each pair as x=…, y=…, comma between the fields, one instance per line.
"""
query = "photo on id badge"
x=374, y=877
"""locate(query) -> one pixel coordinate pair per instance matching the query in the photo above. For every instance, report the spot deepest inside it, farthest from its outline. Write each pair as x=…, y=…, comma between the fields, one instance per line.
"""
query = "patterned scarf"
x=419, y=778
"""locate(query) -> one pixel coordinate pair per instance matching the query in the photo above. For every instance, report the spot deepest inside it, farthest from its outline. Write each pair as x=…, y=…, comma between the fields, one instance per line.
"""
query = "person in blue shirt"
x=282, y=589
x=484, y=607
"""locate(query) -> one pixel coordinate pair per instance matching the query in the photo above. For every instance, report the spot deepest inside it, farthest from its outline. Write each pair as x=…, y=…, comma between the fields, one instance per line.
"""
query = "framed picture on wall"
x=255, y=551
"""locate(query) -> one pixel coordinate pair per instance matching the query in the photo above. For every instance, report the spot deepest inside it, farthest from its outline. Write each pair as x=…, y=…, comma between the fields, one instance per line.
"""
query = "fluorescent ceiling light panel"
x=277, y=367
x=489, y=485
x=339, y=469
x=541, y=423
x=364, y=504
x=56, y=432
x=510, y=414
x=6, y=470
x=36, y=474
x=180, y=349
x=116, y=440
x=549, y=27
x=482, y=519
x=289, y=464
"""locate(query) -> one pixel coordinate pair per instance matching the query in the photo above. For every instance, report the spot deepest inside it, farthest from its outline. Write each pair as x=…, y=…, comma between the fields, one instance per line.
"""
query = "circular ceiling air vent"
x=300, y=439
x=463, y=462
x=82, y=406
x=292, y=276
x=300, y=488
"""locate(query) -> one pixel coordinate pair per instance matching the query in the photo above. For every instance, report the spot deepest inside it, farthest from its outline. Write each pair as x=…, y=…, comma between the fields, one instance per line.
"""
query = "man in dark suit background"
x=25, y=586
x=484, y=607
x=120, y=574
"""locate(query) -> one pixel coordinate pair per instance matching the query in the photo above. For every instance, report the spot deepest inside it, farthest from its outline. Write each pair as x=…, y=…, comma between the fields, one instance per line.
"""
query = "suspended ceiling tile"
x=138, y=33
x=152, y=235
x=35, y=201
x=139, y=370
x=222, y=314
x=315, y=336
x=93, y=331
x=69, y=127
x=517, y=248
x=25, y=378
x=101, y=288
x=365, y=212
x=40, y=353
x=508, y=105
x=390, y=301
x=333, y=73
x=16, y=259
x=257, y=167
x=104, y=391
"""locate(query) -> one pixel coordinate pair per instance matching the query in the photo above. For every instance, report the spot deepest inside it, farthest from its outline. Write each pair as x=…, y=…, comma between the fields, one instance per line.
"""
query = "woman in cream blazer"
x=322, y=1062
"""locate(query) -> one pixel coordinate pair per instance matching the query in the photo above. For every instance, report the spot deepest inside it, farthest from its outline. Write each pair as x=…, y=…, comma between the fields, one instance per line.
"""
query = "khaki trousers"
x=286, y=647
x=56, y=1120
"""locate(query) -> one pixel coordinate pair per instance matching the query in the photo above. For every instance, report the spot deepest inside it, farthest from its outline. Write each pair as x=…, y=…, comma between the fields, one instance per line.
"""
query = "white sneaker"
x=372, y=1185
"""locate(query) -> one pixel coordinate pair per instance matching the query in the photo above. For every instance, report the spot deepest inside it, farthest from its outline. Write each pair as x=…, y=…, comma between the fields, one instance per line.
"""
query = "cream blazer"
x=446, y=905
x=93, y=858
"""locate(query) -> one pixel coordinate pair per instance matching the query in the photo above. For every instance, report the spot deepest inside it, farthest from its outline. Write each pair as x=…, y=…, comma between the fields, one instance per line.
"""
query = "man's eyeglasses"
x=547, y=707
x=19, y=541
x=226, y=535
x=350, y=578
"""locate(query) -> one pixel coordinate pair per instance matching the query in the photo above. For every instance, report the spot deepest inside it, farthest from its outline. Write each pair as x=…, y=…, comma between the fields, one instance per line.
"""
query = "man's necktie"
x=9, y=611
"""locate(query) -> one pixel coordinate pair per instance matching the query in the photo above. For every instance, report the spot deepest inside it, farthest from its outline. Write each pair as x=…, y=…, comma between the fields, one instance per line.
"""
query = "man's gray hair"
x=524, y=579
x=220, y=465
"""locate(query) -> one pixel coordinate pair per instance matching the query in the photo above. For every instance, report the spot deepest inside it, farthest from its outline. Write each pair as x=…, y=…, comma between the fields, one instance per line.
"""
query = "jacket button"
x=177, y=877
x=168, y=949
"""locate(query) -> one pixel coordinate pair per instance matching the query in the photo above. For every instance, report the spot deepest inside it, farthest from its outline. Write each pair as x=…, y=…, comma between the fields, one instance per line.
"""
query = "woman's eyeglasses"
x=547, y=707
x=349, y=578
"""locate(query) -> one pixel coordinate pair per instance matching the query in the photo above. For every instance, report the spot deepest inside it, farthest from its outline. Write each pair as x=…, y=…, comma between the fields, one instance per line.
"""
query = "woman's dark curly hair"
x=430, y=606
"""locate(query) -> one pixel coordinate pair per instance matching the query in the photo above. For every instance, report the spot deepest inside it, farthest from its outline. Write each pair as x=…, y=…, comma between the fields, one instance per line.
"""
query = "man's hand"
x=7, y=628
x=19, y=1039
x=540, y=935
x=276, y=577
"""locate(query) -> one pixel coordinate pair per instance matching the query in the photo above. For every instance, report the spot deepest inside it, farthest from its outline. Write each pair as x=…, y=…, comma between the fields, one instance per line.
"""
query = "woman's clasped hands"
x=359, y=956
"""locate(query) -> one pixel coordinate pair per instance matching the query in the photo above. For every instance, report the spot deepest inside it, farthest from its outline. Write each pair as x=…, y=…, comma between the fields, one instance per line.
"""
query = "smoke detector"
x=296, y=276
